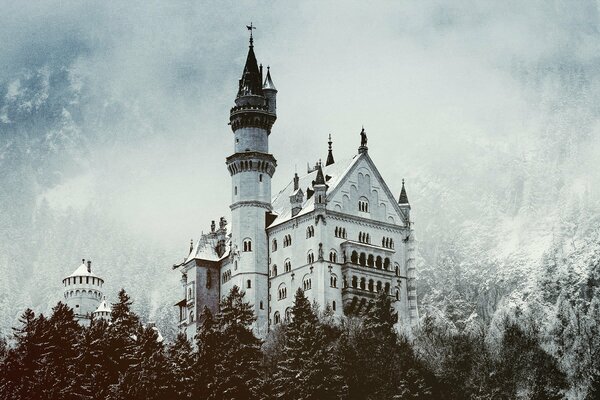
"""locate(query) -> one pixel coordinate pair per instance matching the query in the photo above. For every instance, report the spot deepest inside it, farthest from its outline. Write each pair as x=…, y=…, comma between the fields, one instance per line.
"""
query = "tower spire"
x=251, y=28
x=403, y=200
x=330, y=159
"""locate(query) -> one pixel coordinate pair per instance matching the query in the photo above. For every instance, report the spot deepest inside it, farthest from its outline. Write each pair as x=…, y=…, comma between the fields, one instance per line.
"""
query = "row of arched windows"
x=310, y=231
x=73, y=281
x=370, y=285
x=387, y=242
x=371, y=261
x=364, y=237
x=246, y=165
x=340, y=232
x=226, y=276
x=287, y=240
x=77, y=293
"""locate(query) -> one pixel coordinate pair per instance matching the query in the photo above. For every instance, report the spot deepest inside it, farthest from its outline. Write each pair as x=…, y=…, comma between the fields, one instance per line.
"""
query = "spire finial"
x=250, y=28
x=330, y=159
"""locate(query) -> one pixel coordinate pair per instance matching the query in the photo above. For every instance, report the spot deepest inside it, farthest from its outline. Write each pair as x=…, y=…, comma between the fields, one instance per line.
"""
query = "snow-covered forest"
x=490, y=112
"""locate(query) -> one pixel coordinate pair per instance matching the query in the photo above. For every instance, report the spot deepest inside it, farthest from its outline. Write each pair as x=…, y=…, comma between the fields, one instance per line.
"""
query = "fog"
x=484, y=107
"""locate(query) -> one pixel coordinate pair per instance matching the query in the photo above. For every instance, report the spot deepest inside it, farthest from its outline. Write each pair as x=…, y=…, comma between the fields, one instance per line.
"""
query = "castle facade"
x=338, y=232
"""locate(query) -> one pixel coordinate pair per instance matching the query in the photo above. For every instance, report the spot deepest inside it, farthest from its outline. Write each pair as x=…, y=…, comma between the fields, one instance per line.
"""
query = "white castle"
x=338, y=232
x=83, y=293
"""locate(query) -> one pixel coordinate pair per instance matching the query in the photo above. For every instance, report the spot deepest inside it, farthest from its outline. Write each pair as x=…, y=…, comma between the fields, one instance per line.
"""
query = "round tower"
x=251, y=168
x=83, y=291
x=103, y=311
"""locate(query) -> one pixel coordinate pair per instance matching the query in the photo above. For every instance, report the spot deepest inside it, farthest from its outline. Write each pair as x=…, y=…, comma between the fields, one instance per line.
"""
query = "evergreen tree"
x=94, y=362
x=208, y=356
x=309, y=369
x=181, y=360
x=59, y=377
x=238, y=374
x=145, y=377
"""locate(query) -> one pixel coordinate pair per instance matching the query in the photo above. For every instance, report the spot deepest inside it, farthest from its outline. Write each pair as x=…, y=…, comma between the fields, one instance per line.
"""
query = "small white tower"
x=83, y=292
x=103, y=311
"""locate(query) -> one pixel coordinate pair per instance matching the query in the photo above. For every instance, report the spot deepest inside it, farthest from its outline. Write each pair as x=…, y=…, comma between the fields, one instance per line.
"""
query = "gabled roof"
x=205, y=249
x=281, y=201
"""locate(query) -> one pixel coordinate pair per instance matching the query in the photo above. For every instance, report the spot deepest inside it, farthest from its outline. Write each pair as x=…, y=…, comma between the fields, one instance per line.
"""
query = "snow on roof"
x=82, y=270
x=103, y=307
x=206, y=249
x=281, y=201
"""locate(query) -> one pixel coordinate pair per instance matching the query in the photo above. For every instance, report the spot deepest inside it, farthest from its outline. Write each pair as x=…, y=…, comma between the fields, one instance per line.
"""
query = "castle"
x=83, y=293
x=337, y=232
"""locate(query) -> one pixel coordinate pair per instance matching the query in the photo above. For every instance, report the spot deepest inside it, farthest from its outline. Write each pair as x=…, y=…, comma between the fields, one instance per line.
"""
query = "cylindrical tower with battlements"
x=83, y=291
x=251, y=168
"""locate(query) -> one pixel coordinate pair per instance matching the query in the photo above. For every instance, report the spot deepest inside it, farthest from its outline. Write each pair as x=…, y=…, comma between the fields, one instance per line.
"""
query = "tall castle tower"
x=251, y=168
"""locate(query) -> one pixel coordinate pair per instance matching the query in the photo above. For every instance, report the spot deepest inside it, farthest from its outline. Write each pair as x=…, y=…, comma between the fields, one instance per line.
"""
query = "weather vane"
x=250, y=28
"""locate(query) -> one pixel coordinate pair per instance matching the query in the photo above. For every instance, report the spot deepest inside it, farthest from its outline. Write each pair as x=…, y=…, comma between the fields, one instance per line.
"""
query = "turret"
x=270, y=92
x=103, y=311
x=320, y=192
x=330, y=159
x=83, y=291
x=404, y=204
x=297, y=197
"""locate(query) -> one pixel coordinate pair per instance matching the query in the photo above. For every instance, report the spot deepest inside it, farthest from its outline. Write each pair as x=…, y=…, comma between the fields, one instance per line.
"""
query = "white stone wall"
x=83, y=294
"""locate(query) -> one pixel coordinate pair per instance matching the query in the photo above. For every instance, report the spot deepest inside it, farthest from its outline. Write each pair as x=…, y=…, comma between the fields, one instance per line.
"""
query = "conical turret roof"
x=268, y=81
x=251, y=84
x=403, y=197
x=320, y=179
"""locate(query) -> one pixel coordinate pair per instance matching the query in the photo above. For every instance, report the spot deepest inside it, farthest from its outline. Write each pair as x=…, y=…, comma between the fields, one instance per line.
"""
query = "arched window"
x=386, y=264
x=247, y=245
x=354, y=257
x=332, y=256
x=310, y=231
x=274, y=271
x=333, y=280
x=397, y=270
x=277, y=317
x=306, y=282
x=354, y=282
x=397, y=294
x=333, y=305
x=191, y=316
x=287, y=265
x=235, y=190
x=274, y=245
x=363, y=283
x=370, y=287
x=378, y=262
x=288, y=314
x=379, y=286
x=281, y=292
x=311, y=257
x=261, y=305
x=287, y=240
x=370, y=261
x=363, y=259
x=248, y=284
x=387, y=288
x=363, y=204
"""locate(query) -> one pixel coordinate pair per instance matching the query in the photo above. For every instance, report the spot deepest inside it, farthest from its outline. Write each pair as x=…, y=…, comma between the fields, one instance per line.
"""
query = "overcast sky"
x=445, y=91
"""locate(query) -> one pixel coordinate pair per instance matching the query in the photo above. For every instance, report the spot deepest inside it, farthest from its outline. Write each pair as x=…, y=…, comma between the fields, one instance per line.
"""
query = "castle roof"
x=82, y=270
x=251, y=84
x=334, y=173
x=103, y=307
x=206, y=249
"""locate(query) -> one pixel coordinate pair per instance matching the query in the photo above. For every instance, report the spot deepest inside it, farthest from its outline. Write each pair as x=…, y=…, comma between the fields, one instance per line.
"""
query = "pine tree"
x=94, y=362
x=145, y=377
x=59, y=377
x=239, y=374
x=210, y=351
x=309, y=369
x=181, y=360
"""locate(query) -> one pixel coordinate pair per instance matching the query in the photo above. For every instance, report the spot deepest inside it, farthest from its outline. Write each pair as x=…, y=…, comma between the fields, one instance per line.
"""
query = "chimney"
x=89, y=266
x=296, y=181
